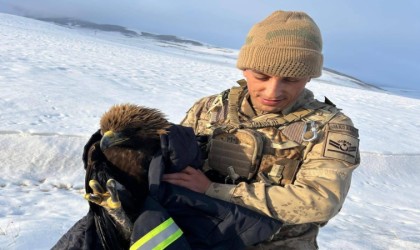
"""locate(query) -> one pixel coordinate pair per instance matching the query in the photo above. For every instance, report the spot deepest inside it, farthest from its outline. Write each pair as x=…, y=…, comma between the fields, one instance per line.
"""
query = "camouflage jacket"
x=321, y=182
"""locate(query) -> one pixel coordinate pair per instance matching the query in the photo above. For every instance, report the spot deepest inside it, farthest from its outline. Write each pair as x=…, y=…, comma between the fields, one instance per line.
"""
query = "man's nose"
x=274, y=87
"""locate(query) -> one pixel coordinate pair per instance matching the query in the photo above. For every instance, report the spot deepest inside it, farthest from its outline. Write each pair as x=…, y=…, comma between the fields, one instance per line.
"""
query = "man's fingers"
x=175, y=181
x=186, y=174
x=96, y=187
x=189, y=170
x=174, y=176
x=190, y=178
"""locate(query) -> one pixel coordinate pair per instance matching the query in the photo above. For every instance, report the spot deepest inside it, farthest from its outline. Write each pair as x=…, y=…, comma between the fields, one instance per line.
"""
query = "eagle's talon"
x=113, y=201
x=94, y=198
x=96, y=187
x=109, y=199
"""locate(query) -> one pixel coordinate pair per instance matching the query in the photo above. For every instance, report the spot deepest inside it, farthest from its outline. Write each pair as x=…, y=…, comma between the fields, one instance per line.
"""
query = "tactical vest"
x=268, y=148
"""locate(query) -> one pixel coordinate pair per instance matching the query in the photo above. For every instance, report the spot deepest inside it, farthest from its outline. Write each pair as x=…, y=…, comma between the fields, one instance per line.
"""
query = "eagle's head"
x=131, y=126
x=130, y=138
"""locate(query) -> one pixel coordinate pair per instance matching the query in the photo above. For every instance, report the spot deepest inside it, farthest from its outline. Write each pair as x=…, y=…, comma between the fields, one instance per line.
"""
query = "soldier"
x=271, y=146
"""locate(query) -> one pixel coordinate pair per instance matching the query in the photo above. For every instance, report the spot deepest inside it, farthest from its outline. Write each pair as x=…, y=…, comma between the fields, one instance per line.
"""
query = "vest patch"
x=341, y=146
x=294, y=131
x=344, y=128
x=239, y=151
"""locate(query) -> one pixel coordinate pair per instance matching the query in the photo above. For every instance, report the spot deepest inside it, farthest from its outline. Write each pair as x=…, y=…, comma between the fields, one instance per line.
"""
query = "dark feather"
x=135, y=138
x=141, y=121
x=122, y=150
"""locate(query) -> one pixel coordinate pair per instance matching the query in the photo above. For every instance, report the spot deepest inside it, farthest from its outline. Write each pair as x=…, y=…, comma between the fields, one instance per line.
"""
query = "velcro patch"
x=341, y=146
x=294, y=131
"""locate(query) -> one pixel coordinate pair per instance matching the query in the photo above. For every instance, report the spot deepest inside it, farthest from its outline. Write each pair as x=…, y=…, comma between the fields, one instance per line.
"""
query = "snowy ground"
x=56, y=82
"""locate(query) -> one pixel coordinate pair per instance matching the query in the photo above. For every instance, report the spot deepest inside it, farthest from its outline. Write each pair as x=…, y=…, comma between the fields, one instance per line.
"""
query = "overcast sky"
x=376, y=41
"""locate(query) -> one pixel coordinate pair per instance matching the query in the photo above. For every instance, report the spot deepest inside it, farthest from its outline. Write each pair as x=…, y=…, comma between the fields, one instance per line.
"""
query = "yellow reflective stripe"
x=155, y=231
x=169, y=240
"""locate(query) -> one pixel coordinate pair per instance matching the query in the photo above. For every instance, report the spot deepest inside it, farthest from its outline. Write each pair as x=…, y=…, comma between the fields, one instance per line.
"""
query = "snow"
x=56, y=83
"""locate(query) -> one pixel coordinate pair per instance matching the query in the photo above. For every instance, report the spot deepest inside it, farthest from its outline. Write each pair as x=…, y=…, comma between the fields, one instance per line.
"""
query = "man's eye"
x=287, y=79
x=261, y=77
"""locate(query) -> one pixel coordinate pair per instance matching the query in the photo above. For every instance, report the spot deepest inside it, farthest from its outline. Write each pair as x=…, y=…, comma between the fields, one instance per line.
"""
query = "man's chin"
x=270, y=109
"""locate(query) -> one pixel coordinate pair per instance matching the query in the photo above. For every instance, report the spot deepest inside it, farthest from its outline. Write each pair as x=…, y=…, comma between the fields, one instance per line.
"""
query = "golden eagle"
x=130, y=137
x=121, y=150
x=129, y=140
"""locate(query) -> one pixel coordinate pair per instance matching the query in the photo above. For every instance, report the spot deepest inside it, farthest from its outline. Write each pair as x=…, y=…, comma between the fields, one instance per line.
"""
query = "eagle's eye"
x=130, y=131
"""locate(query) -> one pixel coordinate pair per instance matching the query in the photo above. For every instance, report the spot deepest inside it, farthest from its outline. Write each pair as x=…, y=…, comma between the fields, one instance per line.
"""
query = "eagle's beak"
x=111, y=139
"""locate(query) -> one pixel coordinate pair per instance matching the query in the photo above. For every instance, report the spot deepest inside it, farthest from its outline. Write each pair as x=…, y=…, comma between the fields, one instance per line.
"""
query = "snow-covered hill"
x=57, y=81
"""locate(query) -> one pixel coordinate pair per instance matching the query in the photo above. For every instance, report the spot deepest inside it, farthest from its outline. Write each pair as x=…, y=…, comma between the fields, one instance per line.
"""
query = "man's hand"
x=190, y=178
x=109, y=199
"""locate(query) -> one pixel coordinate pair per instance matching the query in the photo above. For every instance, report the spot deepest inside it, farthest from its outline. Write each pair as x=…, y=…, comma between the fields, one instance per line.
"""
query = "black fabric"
x=97, y=229
x=180, y=149
x=101, y=170
x=82, y=235
x=152, y=215
x=329, y=102
x=210, y=223
x=95, y=137
x=207, y=223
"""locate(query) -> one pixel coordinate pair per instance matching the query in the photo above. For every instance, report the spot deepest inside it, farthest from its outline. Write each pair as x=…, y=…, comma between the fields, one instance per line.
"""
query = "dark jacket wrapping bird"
x=135, y=146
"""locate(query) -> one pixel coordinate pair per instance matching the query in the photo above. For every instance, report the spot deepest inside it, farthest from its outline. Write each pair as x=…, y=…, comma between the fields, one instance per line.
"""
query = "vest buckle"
x=310, y=131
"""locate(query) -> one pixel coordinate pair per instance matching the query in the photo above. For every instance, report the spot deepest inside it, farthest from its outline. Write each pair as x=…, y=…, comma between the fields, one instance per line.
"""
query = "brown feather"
x=124, y=116
x=146, y=124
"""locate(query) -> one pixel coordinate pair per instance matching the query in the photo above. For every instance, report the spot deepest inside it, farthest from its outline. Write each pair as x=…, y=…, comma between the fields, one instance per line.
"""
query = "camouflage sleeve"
x=321, y=184
x=190, y=119
x=195, y=117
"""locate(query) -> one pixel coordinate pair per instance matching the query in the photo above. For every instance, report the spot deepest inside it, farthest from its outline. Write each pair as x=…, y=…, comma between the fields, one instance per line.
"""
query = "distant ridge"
x=354, y=79
x=77, y=23
x=71, y=22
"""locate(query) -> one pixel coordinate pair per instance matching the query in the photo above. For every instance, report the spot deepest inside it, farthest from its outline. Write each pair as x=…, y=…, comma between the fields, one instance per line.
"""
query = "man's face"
x=272, y=93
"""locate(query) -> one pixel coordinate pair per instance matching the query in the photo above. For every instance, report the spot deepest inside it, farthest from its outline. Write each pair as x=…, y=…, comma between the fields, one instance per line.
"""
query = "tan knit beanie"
x=286, y=44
